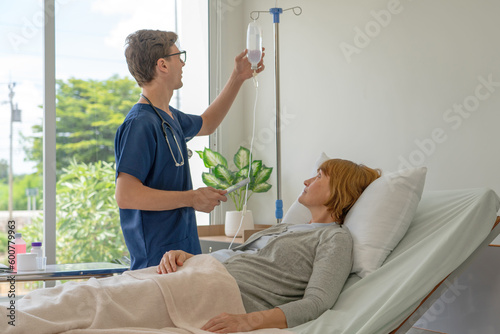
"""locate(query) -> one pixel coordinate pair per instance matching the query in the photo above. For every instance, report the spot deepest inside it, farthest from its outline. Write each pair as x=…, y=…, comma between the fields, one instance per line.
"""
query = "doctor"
x=153, y=183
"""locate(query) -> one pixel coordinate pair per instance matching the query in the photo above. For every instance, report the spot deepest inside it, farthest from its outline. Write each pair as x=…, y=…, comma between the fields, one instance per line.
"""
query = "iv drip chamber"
x=254, y=44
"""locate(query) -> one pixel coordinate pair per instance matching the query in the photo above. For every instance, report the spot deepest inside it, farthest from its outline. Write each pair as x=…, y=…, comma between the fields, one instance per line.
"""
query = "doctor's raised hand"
x=242, y=65
x=154, y=190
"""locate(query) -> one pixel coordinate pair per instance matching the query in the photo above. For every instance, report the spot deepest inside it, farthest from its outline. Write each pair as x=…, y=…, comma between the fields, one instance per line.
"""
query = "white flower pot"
x=233, y=220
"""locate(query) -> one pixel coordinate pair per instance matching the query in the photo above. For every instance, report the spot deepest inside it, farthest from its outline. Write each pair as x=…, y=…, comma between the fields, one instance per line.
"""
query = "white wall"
x=394, y=99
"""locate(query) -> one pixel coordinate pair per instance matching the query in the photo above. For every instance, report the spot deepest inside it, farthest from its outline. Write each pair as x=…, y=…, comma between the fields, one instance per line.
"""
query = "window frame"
x=49, y=132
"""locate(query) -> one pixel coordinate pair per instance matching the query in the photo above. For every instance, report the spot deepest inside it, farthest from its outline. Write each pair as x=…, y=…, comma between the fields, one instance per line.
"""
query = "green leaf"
x=212, y=159
x=99, y=205
x=256, y=166
x=200, y=153
x=261, y=187
x=242, y=173
x=242, y=157
x=210, y=180
x=223, y=173
x=263, y=175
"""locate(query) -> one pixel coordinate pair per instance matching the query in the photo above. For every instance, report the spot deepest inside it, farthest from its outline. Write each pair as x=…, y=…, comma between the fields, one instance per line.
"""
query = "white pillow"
x=380, y=217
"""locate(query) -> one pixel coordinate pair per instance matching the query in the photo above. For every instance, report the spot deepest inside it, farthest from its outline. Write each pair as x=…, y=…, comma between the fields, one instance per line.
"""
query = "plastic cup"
x=26, y=262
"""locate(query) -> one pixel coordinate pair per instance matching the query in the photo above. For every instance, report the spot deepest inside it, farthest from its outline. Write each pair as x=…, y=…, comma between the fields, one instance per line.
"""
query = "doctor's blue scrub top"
x=142, y=151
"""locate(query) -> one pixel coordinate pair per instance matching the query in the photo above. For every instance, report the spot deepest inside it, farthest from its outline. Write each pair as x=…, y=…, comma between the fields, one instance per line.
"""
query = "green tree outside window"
x=88, y=114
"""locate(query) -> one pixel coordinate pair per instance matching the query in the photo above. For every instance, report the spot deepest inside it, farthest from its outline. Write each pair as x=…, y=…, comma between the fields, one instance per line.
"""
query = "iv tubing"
x=244, y=211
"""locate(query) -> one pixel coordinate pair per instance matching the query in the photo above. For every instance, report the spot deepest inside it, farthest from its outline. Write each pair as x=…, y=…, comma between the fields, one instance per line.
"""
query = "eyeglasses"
x=182, y=56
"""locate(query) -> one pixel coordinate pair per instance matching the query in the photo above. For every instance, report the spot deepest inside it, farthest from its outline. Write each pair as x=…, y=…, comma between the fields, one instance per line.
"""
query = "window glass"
x=21, y=97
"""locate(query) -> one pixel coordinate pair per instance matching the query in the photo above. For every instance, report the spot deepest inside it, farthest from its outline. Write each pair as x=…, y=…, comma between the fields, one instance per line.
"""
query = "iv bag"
x=254, y=44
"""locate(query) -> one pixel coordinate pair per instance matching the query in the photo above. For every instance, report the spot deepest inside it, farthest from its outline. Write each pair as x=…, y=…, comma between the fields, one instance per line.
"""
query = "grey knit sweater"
x=302, y=273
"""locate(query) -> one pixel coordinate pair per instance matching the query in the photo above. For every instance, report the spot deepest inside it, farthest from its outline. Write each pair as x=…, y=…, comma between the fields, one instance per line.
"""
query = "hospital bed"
x=448, y=230
x=444, y=234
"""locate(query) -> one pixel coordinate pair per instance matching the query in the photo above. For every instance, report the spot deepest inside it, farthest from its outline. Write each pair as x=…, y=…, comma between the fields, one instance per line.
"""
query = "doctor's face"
x=317, y=191
x=175, y=66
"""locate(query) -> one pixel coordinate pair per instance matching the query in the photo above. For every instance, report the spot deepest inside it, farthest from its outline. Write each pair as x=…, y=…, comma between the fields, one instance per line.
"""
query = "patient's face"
x=316, y=192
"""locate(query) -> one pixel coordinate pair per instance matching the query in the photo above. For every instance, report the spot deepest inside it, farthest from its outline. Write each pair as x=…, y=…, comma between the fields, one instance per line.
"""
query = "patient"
x=286, y=275
x=291, y=274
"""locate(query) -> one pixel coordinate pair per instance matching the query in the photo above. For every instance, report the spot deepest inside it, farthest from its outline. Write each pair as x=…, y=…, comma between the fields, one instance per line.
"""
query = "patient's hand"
x=228, y=323
x=171, y=260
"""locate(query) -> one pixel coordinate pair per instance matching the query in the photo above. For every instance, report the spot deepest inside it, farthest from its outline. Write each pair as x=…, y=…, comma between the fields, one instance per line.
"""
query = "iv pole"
x=276, y=20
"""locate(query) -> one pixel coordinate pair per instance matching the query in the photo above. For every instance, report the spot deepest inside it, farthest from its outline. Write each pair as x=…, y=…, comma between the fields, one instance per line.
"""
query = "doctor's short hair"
x=347, y=181
x=143, y=48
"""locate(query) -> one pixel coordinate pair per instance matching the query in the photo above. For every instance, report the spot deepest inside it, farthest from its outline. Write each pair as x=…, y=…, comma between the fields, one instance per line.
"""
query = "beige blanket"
x=140, y=301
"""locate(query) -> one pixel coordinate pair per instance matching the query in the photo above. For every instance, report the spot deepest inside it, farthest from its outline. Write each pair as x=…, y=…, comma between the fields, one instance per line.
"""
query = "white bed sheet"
x=447, y=228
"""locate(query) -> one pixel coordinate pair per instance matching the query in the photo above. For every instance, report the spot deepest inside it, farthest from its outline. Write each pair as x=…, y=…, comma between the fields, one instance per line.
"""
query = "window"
x=94, y=92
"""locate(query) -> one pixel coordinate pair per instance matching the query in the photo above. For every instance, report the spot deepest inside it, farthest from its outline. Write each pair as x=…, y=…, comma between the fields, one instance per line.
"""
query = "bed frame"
x=441, y=288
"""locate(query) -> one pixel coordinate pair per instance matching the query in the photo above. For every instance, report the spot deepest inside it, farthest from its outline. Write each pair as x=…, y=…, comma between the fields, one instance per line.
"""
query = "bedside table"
x=213, y=238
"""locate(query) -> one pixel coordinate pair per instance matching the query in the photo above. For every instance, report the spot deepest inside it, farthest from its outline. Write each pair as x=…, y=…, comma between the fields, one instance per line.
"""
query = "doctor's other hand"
x=172, y=259
x=206, y=199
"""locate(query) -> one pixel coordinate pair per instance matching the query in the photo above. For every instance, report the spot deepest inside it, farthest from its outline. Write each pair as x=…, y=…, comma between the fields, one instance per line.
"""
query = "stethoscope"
x=163, y=123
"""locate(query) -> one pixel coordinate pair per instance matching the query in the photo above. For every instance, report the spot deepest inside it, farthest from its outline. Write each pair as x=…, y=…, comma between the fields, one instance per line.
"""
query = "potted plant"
x=221, y=177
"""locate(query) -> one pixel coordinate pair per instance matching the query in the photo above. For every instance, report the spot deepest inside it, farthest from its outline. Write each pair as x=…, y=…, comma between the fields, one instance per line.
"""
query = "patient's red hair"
x=347, y=181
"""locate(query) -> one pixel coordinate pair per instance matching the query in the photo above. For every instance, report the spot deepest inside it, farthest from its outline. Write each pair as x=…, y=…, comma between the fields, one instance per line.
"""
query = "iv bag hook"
x=296, y=10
